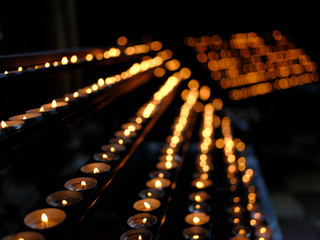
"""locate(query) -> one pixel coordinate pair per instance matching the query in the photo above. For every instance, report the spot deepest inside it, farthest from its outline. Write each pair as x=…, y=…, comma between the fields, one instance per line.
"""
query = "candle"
x=120, y=140
x=166, y=165
x=169, y=157
x=80, y=183
x=27, y=235
x=44, y=218
x=201, y=183
x=73, y=97
x=199, y=207
x=113, y=148
x=147, y=204
x=137, y=234
x=241, y=230
x=58, y=105
x=9, y=127
x=64, y=198
x=160, y=174
x=142, y=220
x=158, y=183
x=195, y=232
x=197, y=218
x=151, y=193
x=199, y=196
x=126, y=133
x=236, y=210
x=105, y=157
x=258, y=216
x=27, y=117
x=263, y=232
x=46, y=112
x=95, y=168
x=131, y=126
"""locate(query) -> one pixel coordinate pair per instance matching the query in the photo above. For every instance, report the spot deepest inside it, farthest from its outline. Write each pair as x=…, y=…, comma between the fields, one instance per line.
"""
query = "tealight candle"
x=236, y=210
x=158, y=183
x=80, y=183
x=105, y=157
x=199, y=196
x=147, y=204
x=27, y=117
x=125, y=134
x=9, y=127
x=241, y=230
x=197, y=218
x=169, y=157
x=64, y=198
x=151, y=193
x=137, y=234
x=263, y=232
x=95, y=168
x=73, y=97
x=201, y=183
x=131, y=126
x=195, y=232
x=58, y=105
x=159, y=174
x=120, y=140
x=44, y=218
x=113, y=148
x=142, y=220
x=27, y=235
x=166, y=165
x=46, y=112
x=199, y=207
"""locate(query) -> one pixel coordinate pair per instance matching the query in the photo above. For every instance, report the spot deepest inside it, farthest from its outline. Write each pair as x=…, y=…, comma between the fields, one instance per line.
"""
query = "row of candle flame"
x=16, y=122
x=241, y=179
x=247, y=63
x=99, y=55
x=160, y=178
x=51, y=217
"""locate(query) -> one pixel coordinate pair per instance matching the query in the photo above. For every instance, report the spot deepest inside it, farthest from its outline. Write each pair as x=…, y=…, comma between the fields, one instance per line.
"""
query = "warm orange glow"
x=73, y=59
x=122, y=41
x=54, y=104
x=89, y=57
x=197, y=198
x=44, y=219
x=3, y=124
x=75, y=94
x=263, y=230
x=158, y=184
x=64, y=202
x=196, y=236
x=64, y=61
x=205, y=93
x=112, y=149
x=144, y=220
x=146, y=205
x=196, y=220
x=96, y=170
x=83, y=184
x=20, y=69
x=139, y=237
x=24, y=118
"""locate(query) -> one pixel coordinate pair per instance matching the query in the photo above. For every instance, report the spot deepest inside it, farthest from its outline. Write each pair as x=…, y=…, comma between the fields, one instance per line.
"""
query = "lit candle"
x=201, y=183
x=169, y=157
x=113, y=148
x=64, y=198
x=27, y=117
x=199, y=196
x=142, y=220
x=80, y=184
x=195, y=232
x=126, y=133
x=166, y=165
x=45, y=218
x=160, y=174
x=137, y=234
x=105, y=157
x=151, y=193
x=158, y=183
x=147, y=204
x=197, y=218
x=27, y=235
x=236, y=210
x=263, y=232
x=95, y=168
x=46, y=112
x=58, y=105
x=199, y=207
x=131, y=126
x=9, y=127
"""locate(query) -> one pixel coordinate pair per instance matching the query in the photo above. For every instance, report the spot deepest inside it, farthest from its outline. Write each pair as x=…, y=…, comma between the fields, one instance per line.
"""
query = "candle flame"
x=54, y=104
x=126, y=132
x=3, y=124
x=196, y=220
x=41, y=109
x=112, y=149
x=200, y=185
x=139, y=238
x=263, y=230
x=144, y=220
x=197, y=206
x=64, y=202
x=105, y=156
x=168, y=165
x=147, y=205
x=195, y=236
x=96, y=170
x=149, y=194
x=120, y=141
x=44, y=218
x=131, y=128
x=197, y=198
x=75, y=94
x=83, y=184
x=66, y=99
x=161, y=175
x=24, y=118
x=158, y=184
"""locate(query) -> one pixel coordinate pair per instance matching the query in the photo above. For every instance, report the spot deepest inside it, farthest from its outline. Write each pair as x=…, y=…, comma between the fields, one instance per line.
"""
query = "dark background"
x=283, y=126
